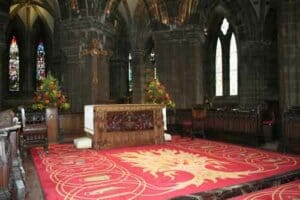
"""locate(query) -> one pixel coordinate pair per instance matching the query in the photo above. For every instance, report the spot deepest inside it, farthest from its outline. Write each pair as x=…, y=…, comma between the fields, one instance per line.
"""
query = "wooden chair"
x=33, y=130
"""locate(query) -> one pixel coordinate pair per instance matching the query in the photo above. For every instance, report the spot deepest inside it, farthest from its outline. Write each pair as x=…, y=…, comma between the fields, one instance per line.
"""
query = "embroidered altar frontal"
x=124, y=125
x=162, y=171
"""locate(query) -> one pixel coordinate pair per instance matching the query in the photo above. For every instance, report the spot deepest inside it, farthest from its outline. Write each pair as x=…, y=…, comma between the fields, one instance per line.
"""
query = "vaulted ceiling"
x=30, y=10
x=162, y=11
x=158, y=11
x=130, y=13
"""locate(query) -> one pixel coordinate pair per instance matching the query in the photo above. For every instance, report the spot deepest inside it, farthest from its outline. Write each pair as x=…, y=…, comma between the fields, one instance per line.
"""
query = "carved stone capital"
x=87, y=23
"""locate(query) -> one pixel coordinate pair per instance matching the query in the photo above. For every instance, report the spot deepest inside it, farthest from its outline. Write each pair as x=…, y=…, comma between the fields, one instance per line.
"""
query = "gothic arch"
x=244, y=24
x=241, y=16
x=27, y=39
x=14, y=28
x=47, y=11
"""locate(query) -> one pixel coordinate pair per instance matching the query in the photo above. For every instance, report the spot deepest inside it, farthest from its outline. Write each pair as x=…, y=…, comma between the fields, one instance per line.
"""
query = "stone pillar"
x=98, y=59
x=77, y=71
x=256, y=74
x=118, y=78
x=197, y=63
x=138, y=74
x=103, y=77
x=3, y=24
x=289, y=52
x=180, y=66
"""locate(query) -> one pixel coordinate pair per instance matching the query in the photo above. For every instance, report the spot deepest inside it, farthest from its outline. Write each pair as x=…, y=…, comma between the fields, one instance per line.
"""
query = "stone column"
x=77, y=73
x=180, y=66
x=118, y=78
x=289, y=52
x=138, y=74
x=3, y=24
x=254, y=74
x=196, y=50
x=98, y=60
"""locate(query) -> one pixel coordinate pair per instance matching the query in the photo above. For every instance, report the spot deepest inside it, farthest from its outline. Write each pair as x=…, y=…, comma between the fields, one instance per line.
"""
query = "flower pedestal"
x=52, y=124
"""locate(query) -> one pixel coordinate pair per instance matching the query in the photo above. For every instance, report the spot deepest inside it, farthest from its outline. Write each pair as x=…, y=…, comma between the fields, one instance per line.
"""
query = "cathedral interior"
x=230, y=57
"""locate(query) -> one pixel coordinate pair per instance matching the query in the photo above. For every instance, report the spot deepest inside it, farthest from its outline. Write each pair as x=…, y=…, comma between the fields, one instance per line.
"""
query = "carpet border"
x=244, y=188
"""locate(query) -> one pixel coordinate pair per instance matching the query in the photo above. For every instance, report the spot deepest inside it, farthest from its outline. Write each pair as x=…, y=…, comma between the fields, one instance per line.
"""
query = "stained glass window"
x=219, y=69
x=40, y=64
x=130, y=79
x=14, y=66
x=233, y=66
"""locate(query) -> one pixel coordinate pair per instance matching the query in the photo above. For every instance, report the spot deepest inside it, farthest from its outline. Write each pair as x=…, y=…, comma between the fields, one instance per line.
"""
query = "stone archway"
x=29, y=30
x=250, y=47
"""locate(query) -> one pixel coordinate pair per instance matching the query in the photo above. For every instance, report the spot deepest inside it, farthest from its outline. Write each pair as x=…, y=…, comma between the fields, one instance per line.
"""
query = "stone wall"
x=257, y=64
x=3, y=25
x=289, y=52
x=253, y=76
x=180, y=66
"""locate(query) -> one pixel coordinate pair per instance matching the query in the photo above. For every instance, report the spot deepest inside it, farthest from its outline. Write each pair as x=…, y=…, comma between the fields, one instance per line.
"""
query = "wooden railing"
x=11, y=171
x=233, y=121
x=231, y=124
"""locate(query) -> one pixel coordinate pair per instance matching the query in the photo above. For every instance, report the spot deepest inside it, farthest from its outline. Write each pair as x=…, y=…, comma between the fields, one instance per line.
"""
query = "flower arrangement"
x=156, y=93
x=50, y=95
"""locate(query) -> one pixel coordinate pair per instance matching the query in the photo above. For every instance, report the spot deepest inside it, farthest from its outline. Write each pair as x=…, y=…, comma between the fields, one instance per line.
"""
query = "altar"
x=124, y=125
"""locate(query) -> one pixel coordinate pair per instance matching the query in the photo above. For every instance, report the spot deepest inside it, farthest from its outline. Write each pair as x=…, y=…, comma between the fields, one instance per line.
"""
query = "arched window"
x=40, y=64
x=233, y=67
x=130, y=79
x=14, y=66
x=219, y=69
x=226, y=61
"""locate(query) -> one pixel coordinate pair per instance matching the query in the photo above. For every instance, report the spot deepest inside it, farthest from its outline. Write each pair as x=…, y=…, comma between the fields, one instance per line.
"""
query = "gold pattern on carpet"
x=96, y=178
x=169, y=162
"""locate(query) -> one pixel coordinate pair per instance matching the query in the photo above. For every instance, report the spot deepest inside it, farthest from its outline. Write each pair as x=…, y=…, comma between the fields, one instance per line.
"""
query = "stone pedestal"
x=52, y=124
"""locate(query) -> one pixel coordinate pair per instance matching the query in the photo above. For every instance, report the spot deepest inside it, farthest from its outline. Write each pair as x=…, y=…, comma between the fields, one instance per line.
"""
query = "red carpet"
x=288, y=191
x=153, y=172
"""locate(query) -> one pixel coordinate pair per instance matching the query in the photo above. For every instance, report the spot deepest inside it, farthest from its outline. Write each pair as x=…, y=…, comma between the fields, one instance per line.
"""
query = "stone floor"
x=33, y=188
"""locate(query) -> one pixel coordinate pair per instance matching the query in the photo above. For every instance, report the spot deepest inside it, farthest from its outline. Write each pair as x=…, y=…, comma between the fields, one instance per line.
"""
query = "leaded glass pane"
x=219, y=69
x=40, y=64
x=224, y=26
x=14, y=66
x=233, y=66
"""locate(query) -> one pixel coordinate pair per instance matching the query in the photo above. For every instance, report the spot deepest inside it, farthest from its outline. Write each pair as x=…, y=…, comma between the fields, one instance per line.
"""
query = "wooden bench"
x=12, y=175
